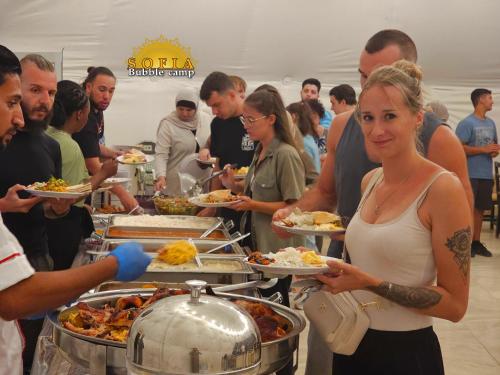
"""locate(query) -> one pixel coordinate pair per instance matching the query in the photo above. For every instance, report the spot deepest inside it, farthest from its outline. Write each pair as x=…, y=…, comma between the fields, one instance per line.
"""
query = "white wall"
x=279, y=42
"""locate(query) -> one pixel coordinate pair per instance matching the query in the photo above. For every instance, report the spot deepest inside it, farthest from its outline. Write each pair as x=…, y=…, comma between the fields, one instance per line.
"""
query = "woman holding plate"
x=71, y=111
x=276, y=177
x=409, y=241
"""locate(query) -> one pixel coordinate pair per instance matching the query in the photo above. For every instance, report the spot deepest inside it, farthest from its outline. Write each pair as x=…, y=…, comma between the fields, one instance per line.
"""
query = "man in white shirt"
x=24, y=292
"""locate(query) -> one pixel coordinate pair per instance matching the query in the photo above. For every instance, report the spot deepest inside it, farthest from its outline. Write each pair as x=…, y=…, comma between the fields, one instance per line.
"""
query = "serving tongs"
x=198, y=186
x=210, y=230
x=307, y=286
x=197, y=256
x=261, y=284
x=227, y=243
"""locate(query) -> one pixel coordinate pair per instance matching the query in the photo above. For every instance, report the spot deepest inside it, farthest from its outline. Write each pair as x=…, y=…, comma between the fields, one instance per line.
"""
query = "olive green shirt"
x=74, y=171
x=280, y=176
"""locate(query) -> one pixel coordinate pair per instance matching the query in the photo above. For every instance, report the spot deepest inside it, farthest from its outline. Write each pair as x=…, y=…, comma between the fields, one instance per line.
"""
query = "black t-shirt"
x=88, y=137
x=230, y=142
x=27, y=159
x=232, y=145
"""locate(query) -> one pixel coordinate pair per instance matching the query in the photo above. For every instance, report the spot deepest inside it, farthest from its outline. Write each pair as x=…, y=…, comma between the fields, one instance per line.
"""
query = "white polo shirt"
x=14, y=267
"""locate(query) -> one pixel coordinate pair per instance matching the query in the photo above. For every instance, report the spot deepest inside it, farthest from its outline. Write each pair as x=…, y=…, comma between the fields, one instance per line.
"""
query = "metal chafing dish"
x=176, y=227
x=148, y=286
x=215, y=270
x=151, y=246
x=183, y=342
x=105, y=357
x=171, y=221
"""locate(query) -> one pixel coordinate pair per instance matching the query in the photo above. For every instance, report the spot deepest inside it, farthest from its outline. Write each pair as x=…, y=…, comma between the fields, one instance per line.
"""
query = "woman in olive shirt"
x=276, y=175
x=71, y=110
x=276, y=178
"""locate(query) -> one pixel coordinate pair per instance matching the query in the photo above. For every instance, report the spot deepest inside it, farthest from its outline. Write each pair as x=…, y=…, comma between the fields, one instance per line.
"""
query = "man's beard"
x=35, y=126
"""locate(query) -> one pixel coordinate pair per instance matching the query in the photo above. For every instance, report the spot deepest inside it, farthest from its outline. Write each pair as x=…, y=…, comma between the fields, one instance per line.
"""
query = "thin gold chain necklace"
x=377, y=205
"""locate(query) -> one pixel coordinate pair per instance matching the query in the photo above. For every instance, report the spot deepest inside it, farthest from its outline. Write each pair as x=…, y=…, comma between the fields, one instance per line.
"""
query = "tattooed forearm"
x=459, y=245
x=407, y=296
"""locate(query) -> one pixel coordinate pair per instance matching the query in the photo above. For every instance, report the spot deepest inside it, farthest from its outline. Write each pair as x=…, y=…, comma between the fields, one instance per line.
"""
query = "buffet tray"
x=180, y=274
x=172, y=226
x=173, y=221
x=137, y=285
x=124, y=232
x=151, y=246
x=108, y=357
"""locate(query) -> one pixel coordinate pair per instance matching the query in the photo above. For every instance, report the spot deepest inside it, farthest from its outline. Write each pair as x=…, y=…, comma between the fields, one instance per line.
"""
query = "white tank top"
x=398, y=251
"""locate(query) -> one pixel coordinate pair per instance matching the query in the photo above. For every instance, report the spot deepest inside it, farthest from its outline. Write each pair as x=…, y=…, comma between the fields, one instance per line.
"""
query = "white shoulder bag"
x=340, y=320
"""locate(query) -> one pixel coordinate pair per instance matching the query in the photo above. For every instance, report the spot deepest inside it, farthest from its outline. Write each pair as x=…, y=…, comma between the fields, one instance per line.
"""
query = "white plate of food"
x=289, y=261
x=210, y=161
x=316, y=223
x=217, y=198
x=58, y=188
x=135, y=157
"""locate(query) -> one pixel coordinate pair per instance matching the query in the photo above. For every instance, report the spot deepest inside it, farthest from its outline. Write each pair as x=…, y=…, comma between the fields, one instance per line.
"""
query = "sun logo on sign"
x=161, y=57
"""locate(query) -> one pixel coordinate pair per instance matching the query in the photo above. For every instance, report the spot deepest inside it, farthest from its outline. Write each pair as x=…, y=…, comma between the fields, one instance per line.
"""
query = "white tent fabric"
x=280, y=42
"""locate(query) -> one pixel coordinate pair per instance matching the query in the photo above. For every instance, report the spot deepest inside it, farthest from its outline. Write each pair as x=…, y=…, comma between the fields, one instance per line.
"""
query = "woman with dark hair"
x=276, y=178
x=71, y=110
x=276, y=175
x=301, y=117
x=320, y=133
x=312, y=172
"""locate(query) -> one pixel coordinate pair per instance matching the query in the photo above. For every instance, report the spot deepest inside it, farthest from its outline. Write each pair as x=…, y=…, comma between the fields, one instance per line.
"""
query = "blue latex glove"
x=132, y=261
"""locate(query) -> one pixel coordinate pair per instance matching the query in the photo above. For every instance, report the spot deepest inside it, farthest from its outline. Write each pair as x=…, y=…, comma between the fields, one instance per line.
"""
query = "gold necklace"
x=378, y=206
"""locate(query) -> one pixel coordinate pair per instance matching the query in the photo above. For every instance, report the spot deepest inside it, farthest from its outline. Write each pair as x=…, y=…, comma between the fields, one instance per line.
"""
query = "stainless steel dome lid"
x=194, y=334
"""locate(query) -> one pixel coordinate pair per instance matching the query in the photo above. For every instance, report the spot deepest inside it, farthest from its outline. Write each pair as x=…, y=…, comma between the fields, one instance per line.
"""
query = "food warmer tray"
x=137, y=285
x=129, y=232
x=105, y=357
x=152, y=246
x=178, y=274
x=179, y=221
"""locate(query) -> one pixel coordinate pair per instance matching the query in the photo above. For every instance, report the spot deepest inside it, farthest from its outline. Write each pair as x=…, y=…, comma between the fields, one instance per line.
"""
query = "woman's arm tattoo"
x=407, y=296
x=422, y=297
x=459, y=245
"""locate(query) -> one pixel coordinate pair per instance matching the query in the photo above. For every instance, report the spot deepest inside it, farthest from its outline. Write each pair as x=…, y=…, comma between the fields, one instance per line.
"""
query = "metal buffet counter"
x=65, y=351
x=107, y=357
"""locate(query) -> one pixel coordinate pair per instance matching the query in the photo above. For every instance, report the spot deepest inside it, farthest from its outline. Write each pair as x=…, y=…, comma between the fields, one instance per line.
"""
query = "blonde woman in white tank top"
x=409, y=241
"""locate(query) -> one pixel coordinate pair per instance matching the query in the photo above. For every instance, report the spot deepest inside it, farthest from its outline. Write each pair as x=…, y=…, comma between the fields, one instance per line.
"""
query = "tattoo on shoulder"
x=407, y=296
x=459, y=245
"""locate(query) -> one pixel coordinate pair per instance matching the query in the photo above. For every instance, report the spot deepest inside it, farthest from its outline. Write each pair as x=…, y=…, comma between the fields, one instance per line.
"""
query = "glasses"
x=251, y=121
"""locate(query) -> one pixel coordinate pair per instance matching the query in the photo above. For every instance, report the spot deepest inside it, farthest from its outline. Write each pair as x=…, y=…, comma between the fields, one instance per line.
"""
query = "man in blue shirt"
x=478, y=135
x=310, y=90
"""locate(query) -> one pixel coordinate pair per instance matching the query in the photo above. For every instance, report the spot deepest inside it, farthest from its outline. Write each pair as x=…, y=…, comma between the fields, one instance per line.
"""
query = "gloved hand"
x=132, y=261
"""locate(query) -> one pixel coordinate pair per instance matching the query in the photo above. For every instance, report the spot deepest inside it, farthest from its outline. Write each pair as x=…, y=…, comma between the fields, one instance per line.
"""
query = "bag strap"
x=371, y=184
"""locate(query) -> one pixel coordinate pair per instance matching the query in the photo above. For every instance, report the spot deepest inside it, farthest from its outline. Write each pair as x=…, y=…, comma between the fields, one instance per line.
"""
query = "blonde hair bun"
x=411, y=69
